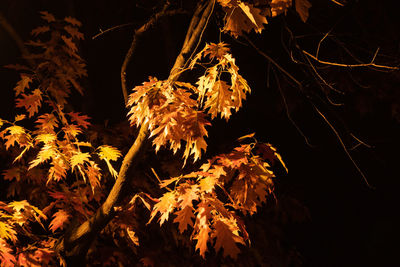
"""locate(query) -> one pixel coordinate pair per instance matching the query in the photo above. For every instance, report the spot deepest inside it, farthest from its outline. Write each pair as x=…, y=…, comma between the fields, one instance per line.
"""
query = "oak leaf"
x=243, y=17
x=184, y=217
x=59, y=219
x=81, y=120
x=30, y=102
x=165, y=206
x=227, y=236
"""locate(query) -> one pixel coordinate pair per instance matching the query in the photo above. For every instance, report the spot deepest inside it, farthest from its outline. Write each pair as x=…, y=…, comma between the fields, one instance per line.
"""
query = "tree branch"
x=77, y=240
x=138, y=32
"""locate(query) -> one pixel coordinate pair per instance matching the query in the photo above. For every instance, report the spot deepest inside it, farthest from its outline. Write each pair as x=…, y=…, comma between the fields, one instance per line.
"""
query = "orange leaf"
x=184, y=218
x=30, y=102
x=226, y=233
x=22, y=84
x=243, y=17
x=59, y=219
x=81, y=120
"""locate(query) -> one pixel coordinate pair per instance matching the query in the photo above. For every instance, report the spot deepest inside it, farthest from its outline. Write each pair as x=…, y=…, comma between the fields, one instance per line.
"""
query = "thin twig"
x=288, y=113
x=344, y=147
x=273, y=62
x=361, y=142
x=111, y=29
x=322, y=79
x=138, y=32
x=371, y=64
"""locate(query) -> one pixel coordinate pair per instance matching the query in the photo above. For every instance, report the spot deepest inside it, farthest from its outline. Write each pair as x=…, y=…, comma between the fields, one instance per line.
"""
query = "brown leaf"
x=302, y=7
x=184, y=218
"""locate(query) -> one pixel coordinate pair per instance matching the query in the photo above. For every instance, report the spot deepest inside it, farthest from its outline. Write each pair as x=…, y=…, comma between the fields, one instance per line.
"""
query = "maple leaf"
x=226, y=234
x=47, y=16
x=81, y=120
x=242, y=17
x=59, y=219
x=302, y=7
x=30, y=102
x=165, y=206
x=184, y=217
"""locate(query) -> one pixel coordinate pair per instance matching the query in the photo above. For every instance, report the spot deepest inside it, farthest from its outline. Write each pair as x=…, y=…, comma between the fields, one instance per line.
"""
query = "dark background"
x=345, y=222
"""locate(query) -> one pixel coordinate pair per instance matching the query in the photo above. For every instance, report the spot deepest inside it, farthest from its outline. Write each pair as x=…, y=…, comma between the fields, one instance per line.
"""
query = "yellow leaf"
x=108, y=153
x=79, y=158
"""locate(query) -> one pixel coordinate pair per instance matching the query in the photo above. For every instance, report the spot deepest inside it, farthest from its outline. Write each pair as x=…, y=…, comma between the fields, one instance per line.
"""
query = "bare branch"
x=274, y=63
x=343, y=146
x=111, y=29
x=371, y=64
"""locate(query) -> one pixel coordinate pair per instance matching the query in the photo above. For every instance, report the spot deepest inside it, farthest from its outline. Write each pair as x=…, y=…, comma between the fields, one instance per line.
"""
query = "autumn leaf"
x=40, y=30
x=73, y=21
x=19, y=117
x=186, y=194
x=22, y=84
x=217, y=51
x=132, y=236
x=227, y=237
x=165, y=206
x=46, y=123
x=79, y=159
x=7, y=232
x=184, y=217
x=70, y=43
x=74, y=32
x=108, y=153
x=279, y=6
x=6, y=258
x=242, y=17
x=59, y=219
x=30, y=102
x=81, y=120
x=302, y=7
x=47, y=16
